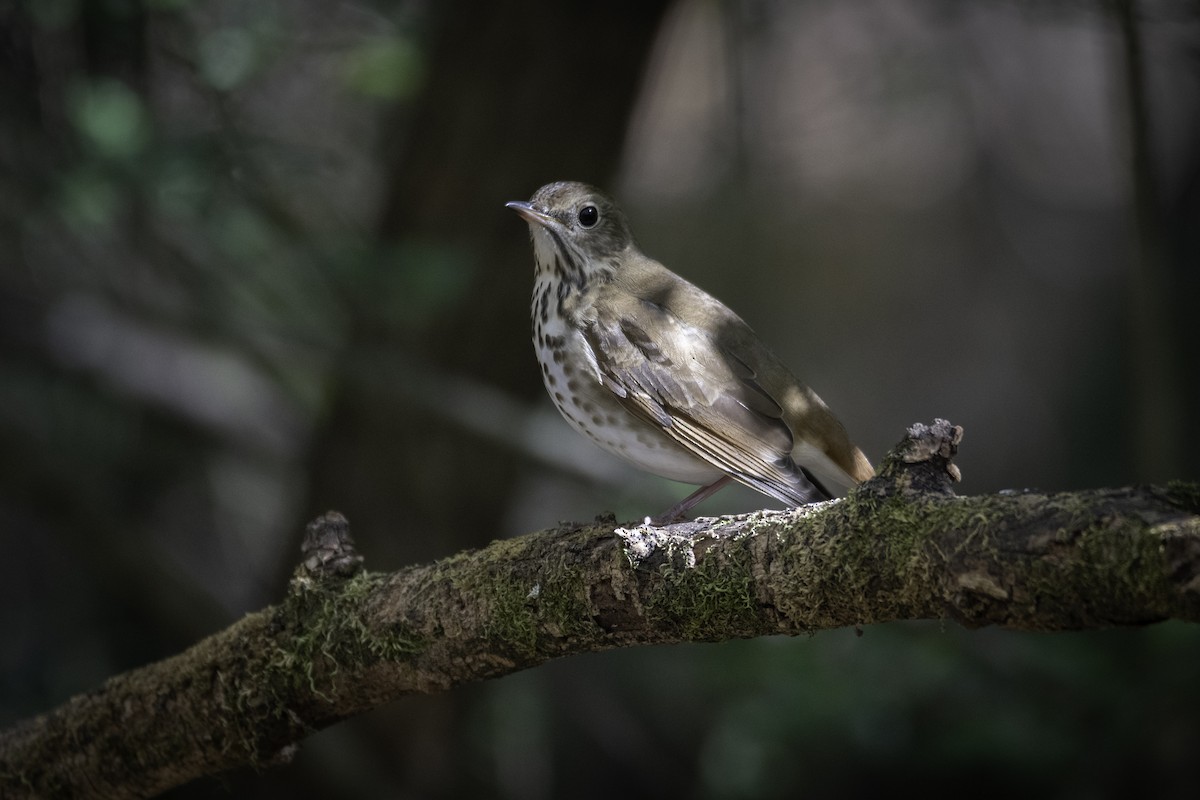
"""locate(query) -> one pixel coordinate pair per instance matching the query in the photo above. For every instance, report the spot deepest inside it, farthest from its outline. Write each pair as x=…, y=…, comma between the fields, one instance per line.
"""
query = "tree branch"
x=902, y=546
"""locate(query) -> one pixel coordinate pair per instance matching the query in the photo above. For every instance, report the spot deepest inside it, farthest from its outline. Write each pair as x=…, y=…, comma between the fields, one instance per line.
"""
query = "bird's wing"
x=705, y=398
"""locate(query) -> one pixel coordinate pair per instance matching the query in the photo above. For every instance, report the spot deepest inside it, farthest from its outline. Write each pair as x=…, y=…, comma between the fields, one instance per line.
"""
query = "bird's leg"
x=677, y=511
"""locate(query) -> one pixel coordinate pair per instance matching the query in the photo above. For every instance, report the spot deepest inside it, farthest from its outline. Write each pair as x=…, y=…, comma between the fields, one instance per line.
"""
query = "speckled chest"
x=569, y=368
x=573, y=380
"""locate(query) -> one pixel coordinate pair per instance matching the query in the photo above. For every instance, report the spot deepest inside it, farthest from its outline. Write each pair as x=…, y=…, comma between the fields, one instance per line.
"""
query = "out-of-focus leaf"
x=423, y=280
x=90, y=201
x=228, y=57
x=180, y=186
x=110, y=117
x=243, y=233
x=390, y=68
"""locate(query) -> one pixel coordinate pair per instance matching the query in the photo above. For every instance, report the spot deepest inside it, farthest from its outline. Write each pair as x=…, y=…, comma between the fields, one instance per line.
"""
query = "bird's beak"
x=531, y=214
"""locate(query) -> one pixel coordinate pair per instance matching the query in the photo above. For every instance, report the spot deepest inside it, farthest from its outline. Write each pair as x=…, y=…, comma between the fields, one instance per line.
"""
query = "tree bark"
x=902, y=546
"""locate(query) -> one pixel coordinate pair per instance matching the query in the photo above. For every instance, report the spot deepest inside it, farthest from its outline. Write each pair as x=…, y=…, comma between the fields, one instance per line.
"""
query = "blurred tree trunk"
x=515, y=97
x=1157, y=274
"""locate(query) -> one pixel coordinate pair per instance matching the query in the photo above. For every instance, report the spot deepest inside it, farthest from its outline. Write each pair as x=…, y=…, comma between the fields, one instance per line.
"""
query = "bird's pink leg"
x=676, y=512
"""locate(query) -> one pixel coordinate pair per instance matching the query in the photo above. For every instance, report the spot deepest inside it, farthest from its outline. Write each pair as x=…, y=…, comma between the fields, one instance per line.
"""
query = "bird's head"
x=575, y=228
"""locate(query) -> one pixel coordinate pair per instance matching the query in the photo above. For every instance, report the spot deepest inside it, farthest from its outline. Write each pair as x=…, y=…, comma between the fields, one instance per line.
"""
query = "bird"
x=657, y=371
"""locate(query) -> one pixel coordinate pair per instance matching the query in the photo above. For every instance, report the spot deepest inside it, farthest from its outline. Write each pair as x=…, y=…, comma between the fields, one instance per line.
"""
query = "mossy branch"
x=902, y=546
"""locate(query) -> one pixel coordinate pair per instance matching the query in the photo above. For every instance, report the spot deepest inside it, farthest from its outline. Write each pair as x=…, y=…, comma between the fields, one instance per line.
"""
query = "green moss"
x=325, y=623
x=712, y=600
x=317, y=631
x=509, y=613
x=886, y=568
x=528, y=618
x=1116, y=567
x=563, y=606
x=525, y=607
x=911, y=538
x=884, y=561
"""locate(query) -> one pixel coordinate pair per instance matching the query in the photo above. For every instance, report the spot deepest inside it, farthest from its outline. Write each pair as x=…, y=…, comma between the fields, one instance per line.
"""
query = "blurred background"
x=255, y=264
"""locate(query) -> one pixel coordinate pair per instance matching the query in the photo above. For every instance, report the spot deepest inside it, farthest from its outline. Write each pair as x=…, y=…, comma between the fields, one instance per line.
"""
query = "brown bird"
x=659, y=372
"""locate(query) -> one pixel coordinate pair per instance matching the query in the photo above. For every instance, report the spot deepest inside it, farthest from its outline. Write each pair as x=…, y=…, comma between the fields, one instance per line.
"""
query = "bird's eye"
x=589, y=216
